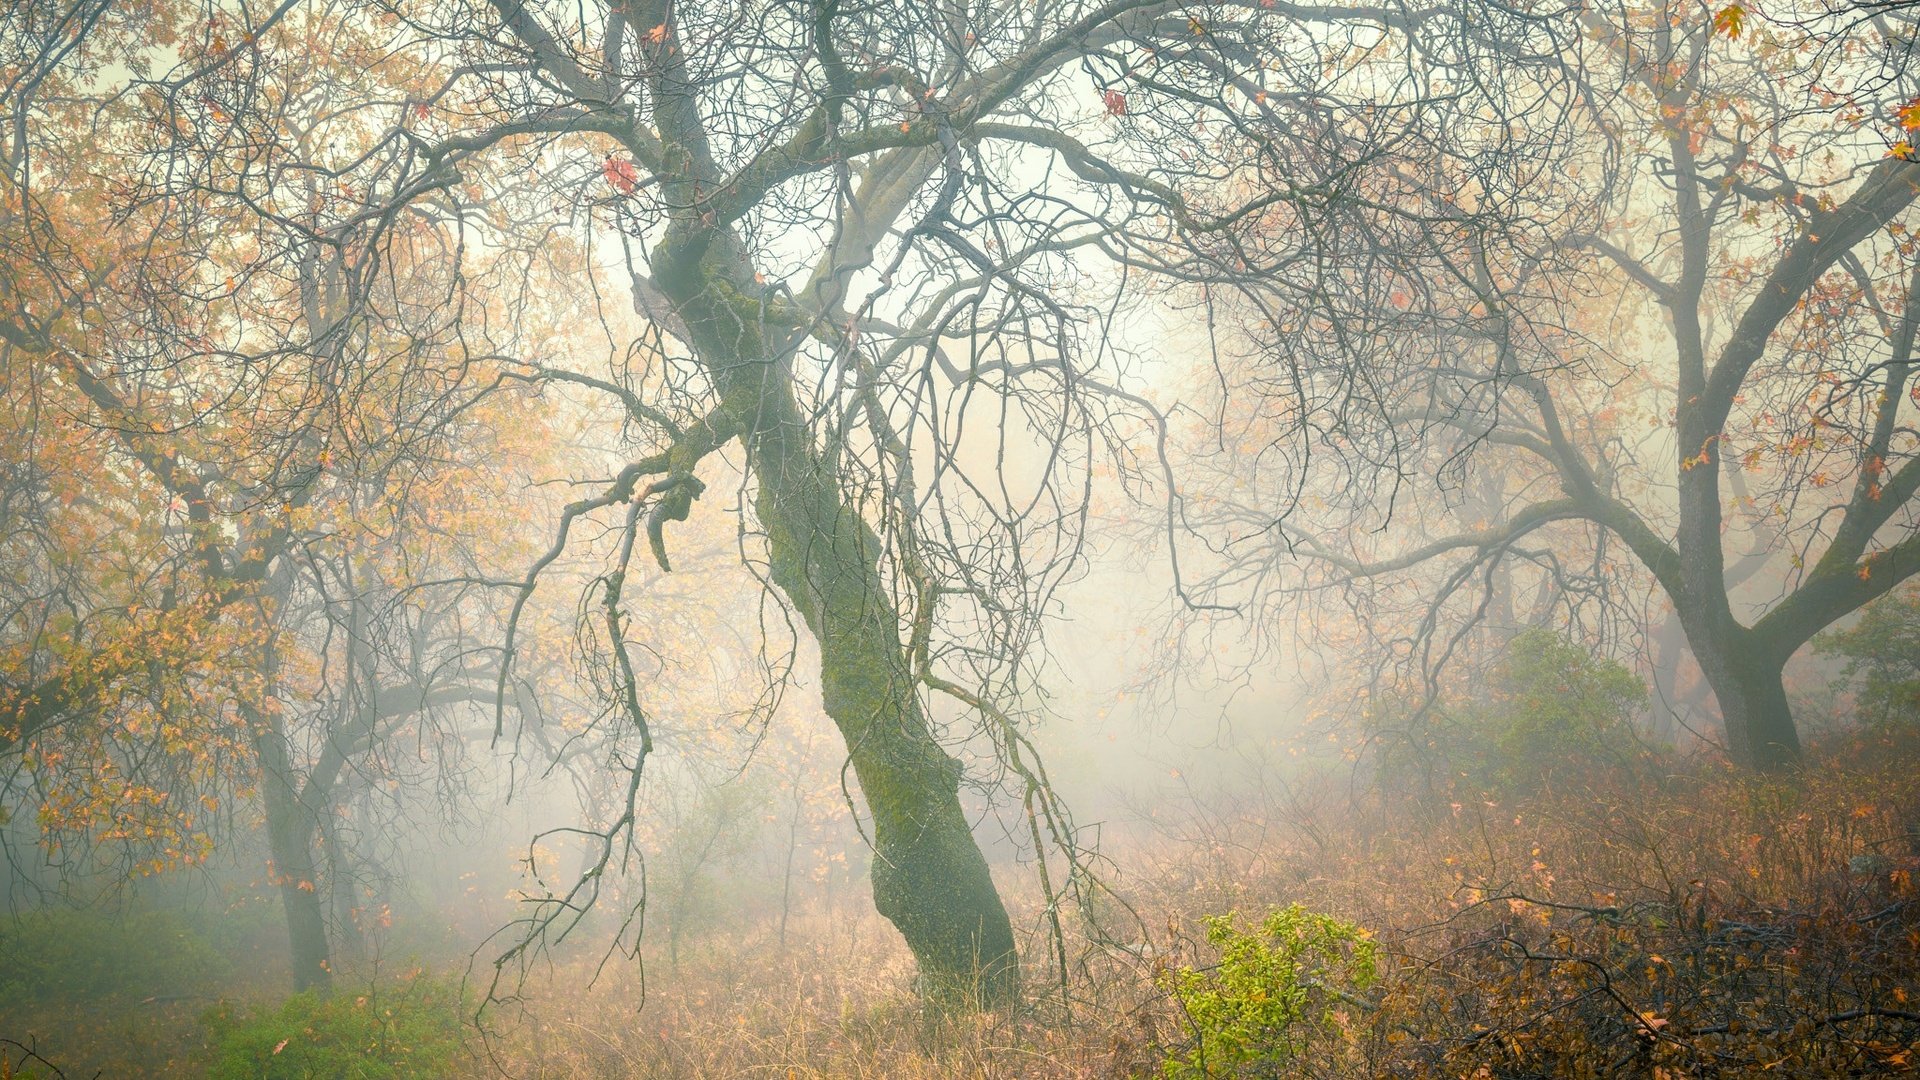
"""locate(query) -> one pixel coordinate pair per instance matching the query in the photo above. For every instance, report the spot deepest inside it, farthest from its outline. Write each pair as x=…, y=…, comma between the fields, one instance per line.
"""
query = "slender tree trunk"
x=1669, y=648
x=929, y=877
x=343, y=887
x=290, y=830
x=786, y=877
x=1487, y=509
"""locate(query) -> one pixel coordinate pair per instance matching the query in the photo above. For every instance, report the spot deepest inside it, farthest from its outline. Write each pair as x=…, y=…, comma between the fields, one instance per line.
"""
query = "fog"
x=958, y=539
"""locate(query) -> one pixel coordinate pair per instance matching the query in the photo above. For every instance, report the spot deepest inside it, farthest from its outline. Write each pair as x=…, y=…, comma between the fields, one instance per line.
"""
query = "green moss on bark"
x=929, y=876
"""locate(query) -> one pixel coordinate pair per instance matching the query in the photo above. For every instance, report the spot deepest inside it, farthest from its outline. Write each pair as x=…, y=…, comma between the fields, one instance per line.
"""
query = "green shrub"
x=386, y=1033
x=1882, y=651
x=1271, y=992
x=1544, y=706
x=61, y=955
x=1554, y=702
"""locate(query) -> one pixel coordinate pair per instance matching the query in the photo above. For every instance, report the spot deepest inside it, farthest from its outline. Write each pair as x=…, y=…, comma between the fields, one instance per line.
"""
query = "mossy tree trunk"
x=930, y=878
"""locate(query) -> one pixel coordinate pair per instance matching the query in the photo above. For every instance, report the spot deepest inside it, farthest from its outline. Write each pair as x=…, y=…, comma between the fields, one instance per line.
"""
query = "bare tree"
x=1656, y=212
x=865, y=246
x=869, y=254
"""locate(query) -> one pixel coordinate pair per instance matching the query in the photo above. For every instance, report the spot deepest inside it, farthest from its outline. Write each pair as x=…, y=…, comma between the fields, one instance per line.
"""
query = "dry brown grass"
x=1684, y=921
x=839, y=1005
x=1617, y=926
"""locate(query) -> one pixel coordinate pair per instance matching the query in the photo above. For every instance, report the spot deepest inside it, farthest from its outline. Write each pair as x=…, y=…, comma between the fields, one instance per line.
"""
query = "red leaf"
x=1115, y=101
x=621, y=174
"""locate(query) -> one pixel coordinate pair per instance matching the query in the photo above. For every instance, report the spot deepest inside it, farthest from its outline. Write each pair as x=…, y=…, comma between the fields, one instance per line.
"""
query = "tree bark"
x=929, y=876
x=342, y=889
x=290, y=829
x=1747, y=683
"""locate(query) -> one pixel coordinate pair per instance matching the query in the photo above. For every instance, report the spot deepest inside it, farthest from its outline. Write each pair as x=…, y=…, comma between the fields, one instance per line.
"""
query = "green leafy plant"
x=1271, y=993
x=1553, y=701
x=1545, y=705
x=1882, y=651
x=59, y=956
x=401, y=1032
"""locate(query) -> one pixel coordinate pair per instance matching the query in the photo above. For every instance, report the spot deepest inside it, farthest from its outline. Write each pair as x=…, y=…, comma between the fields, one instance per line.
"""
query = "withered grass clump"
x=1686, y=922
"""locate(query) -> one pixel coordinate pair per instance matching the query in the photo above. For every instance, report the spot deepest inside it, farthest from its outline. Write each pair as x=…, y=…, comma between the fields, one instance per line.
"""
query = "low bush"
x=1882, y=653
x=1270, y=994
x=1545, y=709
x=62, y=955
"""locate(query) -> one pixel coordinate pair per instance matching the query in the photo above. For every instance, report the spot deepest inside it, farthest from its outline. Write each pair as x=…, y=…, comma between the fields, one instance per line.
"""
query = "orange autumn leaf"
x=1730, y=20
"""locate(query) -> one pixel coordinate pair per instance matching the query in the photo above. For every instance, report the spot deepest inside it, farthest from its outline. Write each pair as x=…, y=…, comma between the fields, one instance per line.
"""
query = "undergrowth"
x=1675, y=921
x=406, y=1031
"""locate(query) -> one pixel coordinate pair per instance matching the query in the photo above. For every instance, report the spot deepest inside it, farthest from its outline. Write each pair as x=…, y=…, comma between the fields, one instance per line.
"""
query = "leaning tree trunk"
x=290, y=829
x=1746, y=678
x=929, y=877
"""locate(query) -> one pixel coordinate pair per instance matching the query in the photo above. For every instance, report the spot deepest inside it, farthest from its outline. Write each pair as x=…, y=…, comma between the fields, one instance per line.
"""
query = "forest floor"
x=1656, y=921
